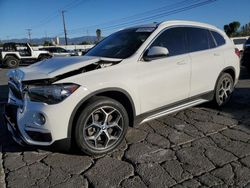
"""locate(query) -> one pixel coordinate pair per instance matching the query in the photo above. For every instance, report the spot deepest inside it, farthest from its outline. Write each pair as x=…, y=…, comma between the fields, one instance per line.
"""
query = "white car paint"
x=150, y=84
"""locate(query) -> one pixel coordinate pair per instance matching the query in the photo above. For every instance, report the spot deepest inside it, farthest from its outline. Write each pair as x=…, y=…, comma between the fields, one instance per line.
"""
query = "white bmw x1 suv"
x=133, y=76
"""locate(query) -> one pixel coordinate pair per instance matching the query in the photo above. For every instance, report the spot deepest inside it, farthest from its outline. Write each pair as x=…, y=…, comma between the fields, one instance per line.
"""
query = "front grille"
x=14, y=88
x=39, y=137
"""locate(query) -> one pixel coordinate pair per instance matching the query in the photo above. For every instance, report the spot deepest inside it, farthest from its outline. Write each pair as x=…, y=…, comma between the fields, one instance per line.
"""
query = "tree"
x=98, y=35
x=47, y=43
x=85, y=43
x=232, y=28
x=245, y=30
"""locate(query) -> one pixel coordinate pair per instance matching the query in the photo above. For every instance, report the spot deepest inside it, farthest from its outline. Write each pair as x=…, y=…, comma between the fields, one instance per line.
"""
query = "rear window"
x=197, y=39
x=218, y=38
x=239, y=41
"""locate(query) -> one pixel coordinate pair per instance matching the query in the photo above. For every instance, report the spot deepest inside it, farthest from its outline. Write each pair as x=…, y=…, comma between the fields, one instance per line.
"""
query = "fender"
x=223, y=71
x=11, y=55
x=72, y=116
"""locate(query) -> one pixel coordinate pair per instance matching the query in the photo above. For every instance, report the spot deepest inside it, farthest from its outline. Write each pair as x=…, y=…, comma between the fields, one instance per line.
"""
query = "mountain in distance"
x=40, y=41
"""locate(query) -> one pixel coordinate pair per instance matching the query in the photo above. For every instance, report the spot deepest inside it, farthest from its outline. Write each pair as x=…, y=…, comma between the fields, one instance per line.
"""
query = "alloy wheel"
x=225, y=90
x=103, y=128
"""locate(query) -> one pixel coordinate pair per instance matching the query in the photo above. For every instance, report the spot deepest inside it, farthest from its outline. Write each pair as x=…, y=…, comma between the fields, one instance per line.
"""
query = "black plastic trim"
x=207, y=96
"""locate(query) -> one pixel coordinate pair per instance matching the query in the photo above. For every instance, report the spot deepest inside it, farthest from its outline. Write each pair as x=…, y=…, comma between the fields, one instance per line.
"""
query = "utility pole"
x=29, y=34
x=64, y=27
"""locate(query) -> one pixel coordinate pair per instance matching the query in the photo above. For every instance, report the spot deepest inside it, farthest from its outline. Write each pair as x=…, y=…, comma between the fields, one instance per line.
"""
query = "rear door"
x=206, y=59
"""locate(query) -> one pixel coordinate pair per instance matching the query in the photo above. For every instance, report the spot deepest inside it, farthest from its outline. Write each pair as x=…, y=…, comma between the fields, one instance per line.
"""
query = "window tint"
x=61, y=50
x=172, y=39
x=211, y=42
x=121, y=44
x=239, y=41
x=248, y=41
x=218, y=38
x=197, y=39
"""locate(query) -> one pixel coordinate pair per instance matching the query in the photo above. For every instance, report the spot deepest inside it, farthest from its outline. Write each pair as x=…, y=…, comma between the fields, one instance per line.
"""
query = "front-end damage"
x=100, y=64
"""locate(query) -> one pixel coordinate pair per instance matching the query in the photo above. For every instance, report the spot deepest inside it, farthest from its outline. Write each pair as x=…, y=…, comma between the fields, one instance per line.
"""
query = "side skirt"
x=175, y=107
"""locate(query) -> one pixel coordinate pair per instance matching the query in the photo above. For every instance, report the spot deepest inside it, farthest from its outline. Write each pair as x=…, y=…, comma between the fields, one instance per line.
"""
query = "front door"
x=165, y=80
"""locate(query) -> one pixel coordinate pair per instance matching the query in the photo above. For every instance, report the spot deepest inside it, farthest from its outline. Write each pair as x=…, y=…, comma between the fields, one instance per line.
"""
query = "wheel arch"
x=10, y=55
x=230, y=70
x=118, y=94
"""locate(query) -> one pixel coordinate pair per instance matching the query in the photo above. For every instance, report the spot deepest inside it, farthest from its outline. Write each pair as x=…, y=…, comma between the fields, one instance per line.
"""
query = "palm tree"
x=98, y=35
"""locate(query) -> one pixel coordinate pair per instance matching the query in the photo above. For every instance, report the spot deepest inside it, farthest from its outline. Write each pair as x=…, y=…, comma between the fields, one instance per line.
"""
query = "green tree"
x=98, y=35
x=232, y=28
x=85, y=43
x=245, y=30
x=47, y=43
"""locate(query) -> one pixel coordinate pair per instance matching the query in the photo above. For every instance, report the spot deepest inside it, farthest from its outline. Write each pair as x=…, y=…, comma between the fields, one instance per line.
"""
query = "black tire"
x=12, y=62
x=43, y=57
x=223, y=90
x=91, y=130
x=248, y=69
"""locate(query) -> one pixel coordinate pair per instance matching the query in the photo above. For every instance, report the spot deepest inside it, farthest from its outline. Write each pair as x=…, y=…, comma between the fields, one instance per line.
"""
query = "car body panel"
x=150, y=85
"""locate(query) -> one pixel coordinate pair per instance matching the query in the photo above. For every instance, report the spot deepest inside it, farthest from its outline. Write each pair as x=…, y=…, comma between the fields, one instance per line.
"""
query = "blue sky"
x=44, y=17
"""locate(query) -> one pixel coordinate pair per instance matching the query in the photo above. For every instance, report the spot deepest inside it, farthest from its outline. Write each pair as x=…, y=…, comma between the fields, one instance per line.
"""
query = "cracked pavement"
x=197, y=147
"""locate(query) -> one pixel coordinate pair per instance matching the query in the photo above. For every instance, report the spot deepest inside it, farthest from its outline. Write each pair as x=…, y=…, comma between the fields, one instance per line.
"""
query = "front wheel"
x=223, y=89
x=101, y=126
x=12, y=62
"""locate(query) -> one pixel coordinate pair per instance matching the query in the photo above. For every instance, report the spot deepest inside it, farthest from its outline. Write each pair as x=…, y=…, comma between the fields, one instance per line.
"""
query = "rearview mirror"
x=156, y=52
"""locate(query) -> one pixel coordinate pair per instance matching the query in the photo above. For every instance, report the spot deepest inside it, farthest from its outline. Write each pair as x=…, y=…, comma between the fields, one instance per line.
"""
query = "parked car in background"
x=239, y=42
x=246, y=55
x=133, y=76
x=14, y=54
x=58, y=51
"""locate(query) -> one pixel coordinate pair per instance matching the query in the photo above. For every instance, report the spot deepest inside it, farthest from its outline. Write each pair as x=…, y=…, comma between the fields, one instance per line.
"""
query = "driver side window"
x=173, y=39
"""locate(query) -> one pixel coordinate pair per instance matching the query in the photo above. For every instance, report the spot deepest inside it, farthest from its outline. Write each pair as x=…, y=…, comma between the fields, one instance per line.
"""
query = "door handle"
x=216, y=54
x=181, y=62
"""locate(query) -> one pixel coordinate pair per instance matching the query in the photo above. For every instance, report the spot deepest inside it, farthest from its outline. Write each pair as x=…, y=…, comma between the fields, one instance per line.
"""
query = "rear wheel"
x=12, y=62
x=101, y=126
x=223, y=89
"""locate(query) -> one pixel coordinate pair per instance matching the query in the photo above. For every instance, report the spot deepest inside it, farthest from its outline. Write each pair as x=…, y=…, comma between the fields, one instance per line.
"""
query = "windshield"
x=121, y=44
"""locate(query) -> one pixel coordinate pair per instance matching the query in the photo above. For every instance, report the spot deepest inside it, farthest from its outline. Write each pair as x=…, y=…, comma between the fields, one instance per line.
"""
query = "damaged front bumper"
x=35, y=137
x=9, y=115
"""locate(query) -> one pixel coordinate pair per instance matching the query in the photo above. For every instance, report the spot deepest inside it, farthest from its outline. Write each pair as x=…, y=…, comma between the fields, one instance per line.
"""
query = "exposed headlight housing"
x=51, y=94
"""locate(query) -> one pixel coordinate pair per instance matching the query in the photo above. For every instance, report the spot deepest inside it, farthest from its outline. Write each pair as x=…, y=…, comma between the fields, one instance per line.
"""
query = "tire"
x=12, y=62
x=43, y=57
x=223, y=90
x=248, y=69
x=101, y=126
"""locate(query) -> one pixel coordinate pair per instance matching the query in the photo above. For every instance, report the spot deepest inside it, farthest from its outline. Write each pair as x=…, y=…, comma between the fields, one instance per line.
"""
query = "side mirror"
x=156, y=52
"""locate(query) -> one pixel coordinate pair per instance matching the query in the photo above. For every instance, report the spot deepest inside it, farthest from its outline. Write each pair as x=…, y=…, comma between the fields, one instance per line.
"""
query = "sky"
x=83, y=17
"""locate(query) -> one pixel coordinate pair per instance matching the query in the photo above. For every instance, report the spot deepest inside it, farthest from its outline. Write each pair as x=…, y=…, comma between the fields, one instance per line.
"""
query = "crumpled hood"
x=53, y=67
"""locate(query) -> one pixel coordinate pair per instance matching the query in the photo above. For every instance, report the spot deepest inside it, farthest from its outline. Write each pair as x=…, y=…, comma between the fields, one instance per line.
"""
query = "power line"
x=163, y=13
x=157, y=16
x=138, y=15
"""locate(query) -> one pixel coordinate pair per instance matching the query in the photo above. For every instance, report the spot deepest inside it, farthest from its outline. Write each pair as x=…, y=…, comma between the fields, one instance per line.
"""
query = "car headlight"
x=51, y=94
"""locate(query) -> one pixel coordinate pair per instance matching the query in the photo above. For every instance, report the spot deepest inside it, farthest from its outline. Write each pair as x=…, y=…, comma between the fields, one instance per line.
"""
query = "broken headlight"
x=51, y=94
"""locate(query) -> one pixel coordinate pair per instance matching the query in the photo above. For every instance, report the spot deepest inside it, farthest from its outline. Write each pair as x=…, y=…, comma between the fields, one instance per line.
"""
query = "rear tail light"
x=237, y=52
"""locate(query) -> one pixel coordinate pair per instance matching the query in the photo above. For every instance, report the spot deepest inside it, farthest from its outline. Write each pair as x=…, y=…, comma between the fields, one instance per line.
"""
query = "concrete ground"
x=198, y=147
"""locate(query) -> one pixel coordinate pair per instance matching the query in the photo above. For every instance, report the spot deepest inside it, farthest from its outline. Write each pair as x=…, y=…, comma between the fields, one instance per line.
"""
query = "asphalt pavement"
x=197, y=147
